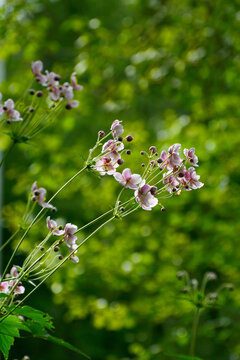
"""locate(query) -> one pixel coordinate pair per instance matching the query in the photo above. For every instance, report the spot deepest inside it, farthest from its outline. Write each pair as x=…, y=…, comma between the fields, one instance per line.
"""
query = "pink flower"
x=37, y=67
x=111, y=149
x=19, y=289
x=105, y=166
x=8, y=109
x=117, y=128
x=128, y=179
x=191, y=157
x=4, y=287
x=171, y=181
x=74, y=82
x=69, y=232
x=53, y=227
x=192, y=180
x=39, y=195
x=144, y=197
x=172, y=159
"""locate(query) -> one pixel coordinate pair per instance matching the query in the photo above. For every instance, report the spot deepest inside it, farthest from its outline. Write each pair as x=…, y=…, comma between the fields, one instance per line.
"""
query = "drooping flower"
x=191, y=157
x=74, y=83
x=69, y=232
x=144, y=197
x=117, y=128
x=192, y=180
x=105, y=165
x=128, y=179
x=37, y=67
x=39, y=195
x=112, y=148
x=170, y=181
x=19, y=289
x=53, y=227
x=12, y=114
x=4, y=287
x=172, y=159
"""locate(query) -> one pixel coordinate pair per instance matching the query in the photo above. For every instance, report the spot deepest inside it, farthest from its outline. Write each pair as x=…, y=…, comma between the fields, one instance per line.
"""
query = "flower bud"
x=129, y=138
x=101, y=133
x=42, y=248
x=68, y=106
x=180, y=275
x=143, y=165
x=56, y=249
x=122, y=208
x=128, y=152
x=31, y=109
x=120, y=138
x=153, y=163
x=163, y=209
x=153, y=190
x=142, y=153
x=31, y=92
x=159, y=160
x=153, y=149
x=211, y=276
x=120, y=161
x=60, y=257
x=39, y=93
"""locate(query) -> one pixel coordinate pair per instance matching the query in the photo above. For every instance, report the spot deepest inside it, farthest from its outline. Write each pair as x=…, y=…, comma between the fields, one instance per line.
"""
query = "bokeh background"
x=171, y=71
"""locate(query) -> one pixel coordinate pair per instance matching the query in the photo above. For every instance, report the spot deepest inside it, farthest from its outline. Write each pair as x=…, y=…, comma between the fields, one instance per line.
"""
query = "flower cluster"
x=8, y=108
x=39, y=195
x=196, y=293
x=57, y=91
x=67, y=235
x=110, y=157
x=6, y=287
x=168, y=169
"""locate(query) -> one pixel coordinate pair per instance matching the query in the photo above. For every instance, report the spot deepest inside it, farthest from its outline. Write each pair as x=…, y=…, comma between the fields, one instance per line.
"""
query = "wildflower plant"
x=201, y=299
x=162, y=175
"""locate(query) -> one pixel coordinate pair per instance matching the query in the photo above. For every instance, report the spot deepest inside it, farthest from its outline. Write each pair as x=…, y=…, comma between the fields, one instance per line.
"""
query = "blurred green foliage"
x=170, y=70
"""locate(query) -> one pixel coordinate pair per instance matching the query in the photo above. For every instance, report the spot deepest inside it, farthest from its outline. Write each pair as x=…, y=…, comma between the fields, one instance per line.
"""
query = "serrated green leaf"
x=10, y=326
x=6, y=342
x=44, y=319
x=61, y=342
x=35, y=328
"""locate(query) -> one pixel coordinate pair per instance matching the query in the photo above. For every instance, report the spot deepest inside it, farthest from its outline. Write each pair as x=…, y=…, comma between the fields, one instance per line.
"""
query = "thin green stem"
x=11, y=237
x=7, y=152
x=37, y=216
x=194, y=332
x=56, y=268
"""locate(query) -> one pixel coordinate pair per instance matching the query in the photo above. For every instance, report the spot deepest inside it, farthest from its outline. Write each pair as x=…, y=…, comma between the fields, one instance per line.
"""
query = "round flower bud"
x=153, y=163
x=31, y=92
x=120, y=161
x=39, y=93
x=57, y=78
x=159, y=160
x=120, y=138
x=4, y=108
x=142, y=153
x=153, y=149
x=56, y=249
x=163, y=209
x=143, y=165
x=129, y=138
x=128, y=152
x=60, y=257
x=42, y=248
x=122, y=208
x=211, y=276
x=31, y=109
x=153, y=190
x=101, y=133
x=68, y=106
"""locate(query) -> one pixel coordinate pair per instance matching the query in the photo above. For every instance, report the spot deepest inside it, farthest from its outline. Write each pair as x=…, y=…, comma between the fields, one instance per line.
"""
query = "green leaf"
x=2, y=295
x=10, y=326
x=61, y=342
x=44, y=319
x=5, y=344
